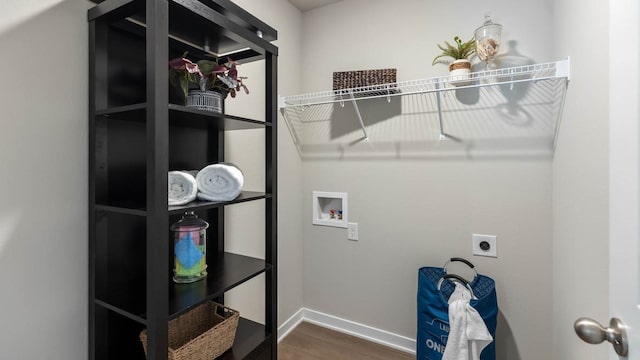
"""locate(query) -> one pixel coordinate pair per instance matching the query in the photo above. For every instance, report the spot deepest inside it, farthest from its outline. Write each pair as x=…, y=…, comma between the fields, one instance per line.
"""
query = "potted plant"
x=206, y=83
x=457, y=57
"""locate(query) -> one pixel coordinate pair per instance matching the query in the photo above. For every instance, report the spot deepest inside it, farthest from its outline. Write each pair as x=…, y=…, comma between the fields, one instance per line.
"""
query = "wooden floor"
x=312, y=342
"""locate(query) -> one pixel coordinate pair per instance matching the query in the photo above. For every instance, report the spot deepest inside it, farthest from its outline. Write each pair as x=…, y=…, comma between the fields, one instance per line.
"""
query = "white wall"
x=440, y=202
x=43, y=153
x=246, y=150
x=43, y=156
x=580, y=179
x=419, y=212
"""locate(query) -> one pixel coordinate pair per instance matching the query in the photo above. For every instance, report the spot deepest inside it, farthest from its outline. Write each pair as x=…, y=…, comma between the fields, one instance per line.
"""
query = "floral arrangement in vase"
x=207, y=75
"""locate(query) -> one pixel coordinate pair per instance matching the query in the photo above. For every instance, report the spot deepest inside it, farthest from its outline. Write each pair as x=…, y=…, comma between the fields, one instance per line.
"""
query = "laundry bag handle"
x=460, y=279
x=469, y=264
x=456, y=277
x=466, y=262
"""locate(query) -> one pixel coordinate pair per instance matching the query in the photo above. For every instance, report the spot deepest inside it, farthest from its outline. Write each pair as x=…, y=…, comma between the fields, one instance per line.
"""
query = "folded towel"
x=219, y=182
x=182, y=188
x=468, y=334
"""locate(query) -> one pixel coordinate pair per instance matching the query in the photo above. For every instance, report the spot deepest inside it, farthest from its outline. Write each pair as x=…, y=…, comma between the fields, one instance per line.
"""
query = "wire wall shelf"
x=511, y=108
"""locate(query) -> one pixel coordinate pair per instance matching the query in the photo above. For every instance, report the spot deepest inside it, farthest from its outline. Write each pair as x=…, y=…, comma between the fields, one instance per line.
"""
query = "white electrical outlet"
x=352, y=231
x=484, y=245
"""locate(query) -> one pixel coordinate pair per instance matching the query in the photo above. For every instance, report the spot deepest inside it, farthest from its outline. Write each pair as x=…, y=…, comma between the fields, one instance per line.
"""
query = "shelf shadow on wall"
x=344, y=116
x=408, y=126
x=513, y=93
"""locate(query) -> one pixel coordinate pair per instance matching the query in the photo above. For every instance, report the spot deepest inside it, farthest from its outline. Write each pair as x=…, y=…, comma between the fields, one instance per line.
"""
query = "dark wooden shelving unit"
x=138, y=133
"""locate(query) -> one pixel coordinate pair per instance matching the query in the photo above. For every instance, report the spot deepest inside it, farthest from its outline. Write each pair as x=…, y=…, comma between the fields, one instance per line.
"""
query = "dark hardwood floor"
x=312, y=342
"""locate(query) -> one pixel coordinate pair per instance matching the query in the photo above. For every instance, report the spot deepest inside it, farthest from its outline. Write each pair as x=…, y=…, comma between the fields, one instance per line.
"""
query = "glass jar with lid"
x=189, y=248
x=488, y=37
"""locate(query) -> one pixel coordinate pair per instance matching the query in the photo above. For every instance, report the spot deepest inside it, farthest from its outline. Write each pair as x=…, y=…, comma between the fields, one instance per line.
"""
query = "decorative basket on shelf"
x=203, y=333
x=205, y=100
x=360, y=78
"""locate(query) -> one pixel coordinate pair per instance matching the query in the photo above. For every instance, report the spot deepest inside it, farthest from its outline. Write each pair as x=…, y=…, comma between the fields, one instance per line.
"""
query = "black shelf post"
x=271, y=221
x=157, y=125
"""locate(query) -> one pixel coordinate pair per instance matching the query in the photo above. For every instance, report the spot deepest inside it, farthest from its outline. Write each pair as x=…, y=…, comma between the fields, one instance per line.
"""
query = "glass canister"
x=488, y=37
x=189, y=248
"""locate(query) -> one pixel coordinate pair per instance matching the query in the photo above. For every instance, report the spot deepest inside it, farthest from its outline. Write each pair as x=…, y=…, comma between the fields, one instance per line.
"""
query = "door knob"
x=592, y=332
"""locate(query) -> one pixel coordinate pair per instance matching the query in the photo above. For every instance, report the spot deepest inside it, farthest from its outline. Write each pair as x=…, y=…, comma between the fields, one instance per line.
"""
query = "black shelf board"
x=179, y=114
x=228, y=271
x=129, y=209
x=197, y=51
x=198, y=205
x=120, y=311
x=128, y=112
x=243, y=18
x=204, y=205
x=225, y=28
x=114, y=9
x=191, y=19
x=184, y=116
x=250, y=338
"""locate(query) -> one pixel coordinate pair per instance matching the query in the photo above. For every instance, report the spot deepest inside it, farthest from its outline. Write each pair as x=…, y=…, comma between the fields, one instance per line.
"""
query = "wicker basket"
x=200, y=334
x=354, y=79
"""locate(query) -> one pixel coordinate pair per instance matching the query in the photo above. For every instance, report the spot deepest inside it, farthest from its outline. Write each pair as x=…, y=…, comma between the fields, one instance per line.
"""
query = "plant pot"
x=459, y=72
x=205, y=100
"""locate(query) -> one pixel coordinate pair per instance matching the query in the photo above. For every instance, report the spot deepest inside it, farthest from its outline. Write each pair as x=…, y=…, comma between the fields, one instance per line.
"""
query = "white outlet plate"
x=478, y=239
x=352, y=231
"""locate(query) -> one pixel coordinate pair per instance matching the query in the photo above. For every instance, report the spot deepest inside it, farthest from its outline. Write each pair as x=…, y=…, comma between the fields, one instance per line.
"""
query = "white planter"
x=205, y=100
x=459, y=72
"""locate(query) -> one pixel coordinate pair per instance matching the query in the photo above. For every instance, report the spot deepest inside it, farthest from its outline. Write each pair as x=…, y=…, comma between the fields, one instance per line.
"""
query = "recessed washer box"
x=330, y=209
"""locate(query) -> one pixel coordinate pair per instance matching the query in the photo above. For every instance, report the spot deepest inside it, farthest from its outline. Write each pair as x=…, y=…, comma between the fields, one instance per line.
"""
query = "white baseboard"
x=290, y=324
x=349, y=327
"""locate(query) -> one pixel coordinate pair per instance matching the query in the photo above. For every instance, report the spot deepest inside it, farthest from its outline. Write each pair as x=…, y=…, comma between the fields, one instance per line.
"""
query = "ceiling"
x=306, y=5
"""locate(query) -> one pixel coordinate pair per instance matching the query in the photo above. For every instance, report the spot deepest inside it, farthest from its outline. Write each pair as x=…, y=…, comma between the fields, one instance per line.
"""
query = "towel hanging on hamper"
x=435, y=286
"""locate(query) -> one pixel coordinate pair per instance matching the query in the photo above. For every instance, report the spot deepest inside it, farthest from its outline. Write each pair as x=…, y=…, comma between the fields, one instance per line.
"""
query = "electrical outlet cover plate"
x=352, y=231
x=481, y=249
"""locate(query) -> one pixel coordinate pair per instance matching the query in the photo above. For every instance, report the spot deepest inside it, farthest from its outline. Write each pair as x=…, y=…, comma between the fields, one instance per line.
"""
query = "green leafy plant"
x=206, y=75
x=462, y=50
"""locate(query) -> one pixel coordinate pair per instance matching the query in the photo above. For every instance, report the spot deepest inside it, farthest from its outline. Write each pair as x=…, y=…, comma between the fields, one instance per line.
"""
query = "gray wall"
x=440, y=203
x=420, y=212
x=580, y=179
x=246, y=150
x=43, y=155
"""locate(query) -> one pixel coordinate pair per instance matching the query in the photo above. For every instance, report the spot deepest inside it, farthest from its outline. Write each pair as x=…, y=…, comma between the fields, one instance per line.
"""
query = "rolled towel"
x=219, y=182
x=183, y=188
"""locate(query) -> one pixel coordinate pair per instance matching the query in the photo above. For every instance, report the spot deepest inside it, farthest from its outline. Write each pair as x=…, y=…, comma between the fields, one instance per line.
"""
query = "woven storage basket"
x=200, y=334
x=354, y=79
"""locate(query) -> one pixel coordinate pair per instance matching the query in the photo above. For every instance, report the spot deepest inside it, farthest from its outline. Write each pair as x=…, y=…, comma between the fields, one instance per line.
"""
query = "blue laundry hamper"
x=434, y=288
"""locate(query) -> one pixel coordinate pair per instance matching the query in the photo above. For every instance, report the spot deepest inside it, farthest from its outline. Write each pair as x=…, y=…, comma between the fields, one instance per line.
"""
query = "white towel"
x=468, y=334
x=219, y=182
x=182, y=188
